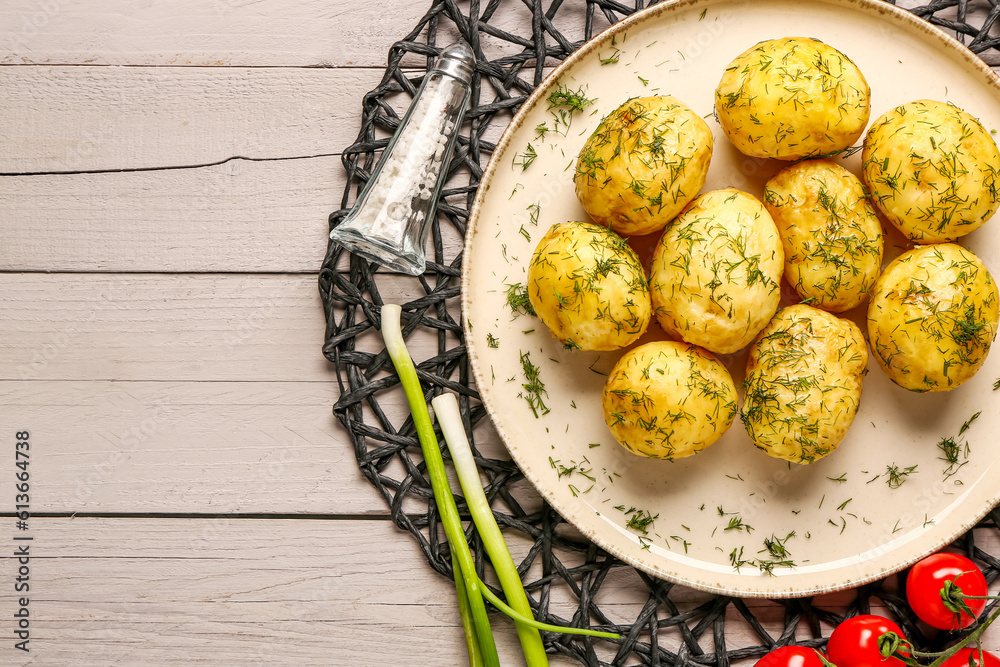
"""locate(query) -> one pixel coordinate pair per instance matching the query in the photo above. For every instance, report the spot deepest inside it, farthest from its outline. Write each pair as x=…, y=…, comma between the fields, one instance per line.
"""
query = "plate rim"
x=879, y=9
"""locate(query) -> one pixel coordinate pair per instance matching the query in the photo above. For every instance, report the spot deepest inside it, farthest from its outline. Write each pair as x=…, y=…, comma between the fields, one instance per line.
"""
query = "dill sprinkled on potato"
x=803, y=384
x=587, y=285
x=831, y=235
x=668, y=400
x=642, y=164
x=933, y=317
x=792, y=98
x=933, y=170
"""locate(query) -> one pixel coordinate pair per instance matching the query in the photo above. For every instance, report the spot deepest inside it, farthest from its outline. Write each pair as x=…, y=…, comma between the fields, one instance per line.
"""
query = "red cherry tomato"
x=961, y=659
x=854, y=643
x=791, y=656
x=926, y=580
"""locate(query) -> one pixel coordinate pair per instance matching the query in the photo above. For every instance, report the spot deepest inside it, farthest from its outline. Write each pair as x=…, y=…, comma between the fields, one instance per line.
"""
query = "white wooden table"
x=167, y=172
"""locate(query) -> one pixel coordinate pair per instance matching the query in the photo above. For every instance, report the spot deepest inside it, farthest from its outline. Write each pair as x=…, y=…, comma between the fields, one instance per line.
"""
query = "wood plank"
x=209, y=447
x=232, y=592
x=165, y=327
x=162, y=327
x=235, y=32
x=243, y=591
x=184, y=393
x=218, y=33
x=94, y=118
x=107, y=118
x=197, y=447
x=240, y=216
x=236, y=217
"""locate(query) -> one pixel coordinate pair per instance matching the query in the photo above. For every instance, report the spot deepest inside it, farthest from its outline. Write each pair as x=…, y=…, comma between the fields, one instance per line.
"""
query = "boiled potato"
x=667, y=400
x=587, y=286
x=643, y=163
x=792, y=98
x=932, y=317
x=932, y=170
x=831, y=235
x=803, y=383
x=716, y=271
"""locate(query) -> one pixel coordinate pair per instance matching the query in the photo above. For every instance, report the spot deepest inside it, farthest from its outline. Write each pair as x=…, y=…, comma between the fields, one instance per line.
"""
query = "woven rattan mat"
x=674, y=626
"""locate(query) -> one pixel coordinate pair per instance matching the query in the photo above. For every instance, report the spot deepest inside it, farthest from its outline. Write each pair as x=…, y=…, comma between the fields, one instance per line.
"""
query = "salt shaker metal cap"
x=389, y=222
x=456, y=60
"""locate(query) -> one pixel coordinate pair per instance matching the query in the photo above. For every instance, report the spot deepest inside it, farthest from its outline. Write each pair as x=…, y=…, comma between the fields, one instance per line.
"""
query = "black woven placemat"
x=387, y=449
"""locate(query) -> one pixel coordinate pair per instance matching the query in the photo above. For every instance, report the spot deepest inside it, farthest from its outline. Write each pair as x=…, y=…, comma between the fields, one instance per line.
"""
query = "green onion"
x=471, y=590
x=479, y=636
x=449, y=418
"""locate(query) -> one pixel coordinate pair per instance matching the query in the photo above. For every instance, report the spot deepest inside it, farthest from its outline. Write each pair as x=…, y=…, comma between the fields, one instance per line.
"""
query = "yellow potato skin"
x=932, y=170
x=792, y=98
x=716, y=271
x=933, y=317
x=587, y=286
x=803, y=383
x=668, y=400
x=831, y=235
x=644, y=162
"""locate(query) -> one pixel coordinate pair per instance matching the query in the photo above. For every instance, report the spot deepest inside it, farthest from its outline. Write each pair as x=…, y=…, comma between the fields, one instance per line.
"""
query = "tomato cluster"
x=947, y=591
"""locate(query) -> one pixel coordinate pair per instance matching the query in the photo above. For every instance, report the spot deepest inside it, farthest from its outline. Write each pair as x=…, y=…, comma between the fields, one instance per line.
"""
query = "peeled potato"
x=831, y=235
x=644, y=162
x=668, y=400
x=803, y=383
x=716, y=270
x=933, y=171
x=932, y=317
x=792, y=98
x=587, y=286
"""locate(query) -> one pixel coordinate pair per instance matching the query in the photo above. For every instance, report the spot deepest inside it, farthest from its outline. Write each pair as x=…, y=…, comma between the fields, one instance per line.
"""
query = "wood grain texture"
x=196, y=447
x=216, y=33
x=221, y=33
x=172, y=327
x=190, y=447
x=277, y=592
x=241, y=216
x=184, y=393
x=108, y=118
x=232, y=592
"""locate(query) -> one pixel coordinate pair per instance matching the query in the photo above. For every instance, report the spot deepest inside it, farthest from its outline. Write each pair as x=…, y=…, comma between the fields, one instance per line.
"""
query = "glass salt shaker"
x=390, y=220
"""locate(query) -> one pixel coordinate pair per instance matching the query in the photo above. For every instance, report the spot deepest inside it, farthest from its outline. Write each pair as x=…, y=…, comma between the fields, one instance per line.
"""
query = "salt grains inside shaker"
x=390, y=220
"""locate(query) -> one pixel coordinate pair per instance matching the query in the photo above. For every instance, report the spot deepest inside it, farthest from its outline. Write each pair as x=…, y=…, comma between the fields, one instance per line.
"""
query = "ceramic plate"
x=729, y=519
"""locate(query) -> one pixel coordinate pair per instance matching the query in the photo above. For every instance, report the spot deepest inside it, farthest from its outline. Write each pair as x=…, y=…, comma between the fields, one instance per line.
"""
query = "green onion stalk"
x=475, y=622
x=449, y=418
x=471, y=590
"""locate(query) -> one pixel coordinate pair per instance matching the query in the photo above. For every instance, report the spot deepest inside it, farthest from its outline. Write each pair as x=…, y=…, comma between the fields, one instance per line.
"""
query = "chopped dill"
x=896, y=477
x=525, y=159
x=612, y=59
x=736, y=523
x=534, y=388
x=775, y=546
x=639, y=520
x=968, y=423
x=517, y=299
x=563, y=102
